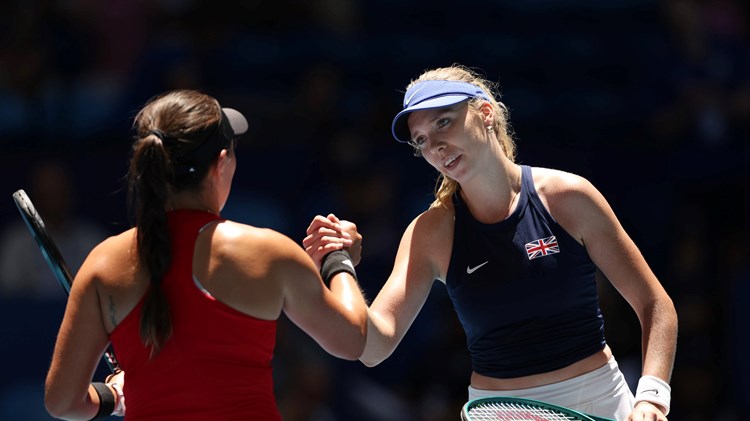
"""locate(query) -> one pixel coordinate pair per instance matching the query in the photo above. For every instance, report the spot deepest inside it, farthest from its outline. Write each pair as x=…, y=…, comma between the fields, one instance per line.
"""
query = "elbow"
x=52, y=410
x=370, y=362
x=349, y=353
x=346, y=349
x=661, y=314
x=675, y=319
x=60, y=403
x=381, y=341
x=350, y=356
x=371, y=357
x=354, y=350
x=56, y=408
x=668, y=312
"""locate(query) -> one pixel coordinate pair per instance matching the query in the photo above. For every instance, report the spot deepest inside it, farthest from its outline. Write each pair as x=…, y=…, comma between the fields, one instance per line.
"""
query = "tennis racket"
x=52, y=255
x=502, y=408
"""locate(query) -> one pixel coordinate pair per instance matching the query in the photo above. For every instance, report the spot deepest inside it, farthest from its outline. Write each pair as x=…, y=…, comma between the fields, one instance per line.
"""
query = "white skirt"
x=602, y=392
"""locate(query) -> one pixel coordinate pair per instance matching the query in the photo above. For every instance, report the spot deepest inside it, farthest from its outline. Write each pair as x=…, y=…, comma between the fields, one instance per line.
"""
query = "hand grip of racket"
x=52, y=256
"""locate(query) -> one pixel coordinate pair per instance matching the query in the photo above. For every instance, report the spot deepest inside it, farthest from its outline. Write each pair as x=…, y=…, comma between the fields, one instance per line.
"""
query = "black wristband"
x=335, y=262
x=106, y=400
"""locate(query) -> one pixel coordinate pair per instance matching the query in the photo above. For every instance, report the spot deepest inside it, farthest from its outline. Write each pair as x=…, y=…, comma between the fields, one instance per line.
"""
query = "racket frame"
x=476, y=403
x=52, y=256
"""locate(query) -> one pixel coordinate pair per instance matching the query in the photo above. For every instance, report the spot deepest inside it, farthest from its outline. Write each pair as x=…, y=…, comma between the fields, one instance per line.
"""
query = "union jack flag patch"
x=542, y=247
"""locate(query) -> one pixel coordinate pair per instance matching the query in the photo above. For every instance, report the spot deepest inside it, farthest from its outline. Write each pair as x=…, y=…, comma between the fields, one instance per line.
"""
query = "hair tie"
x=158, y=133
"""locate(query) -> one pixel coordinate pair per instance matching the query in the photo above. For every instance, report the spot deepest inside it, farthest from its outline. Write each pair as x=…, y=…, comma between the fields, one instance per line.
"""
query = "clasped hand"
x=329, y=233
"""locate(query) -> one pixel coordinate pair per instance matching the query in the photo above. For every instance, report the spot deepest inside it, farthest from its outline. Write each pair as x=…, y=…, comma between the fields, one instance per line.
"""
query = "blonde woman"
x=517, y=248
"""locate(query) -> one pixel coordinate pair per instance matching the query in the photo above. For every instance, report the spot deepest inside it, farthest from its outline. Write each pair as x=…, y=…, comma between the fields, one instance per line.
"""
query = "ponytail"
x=149, y=179
x=167, y=158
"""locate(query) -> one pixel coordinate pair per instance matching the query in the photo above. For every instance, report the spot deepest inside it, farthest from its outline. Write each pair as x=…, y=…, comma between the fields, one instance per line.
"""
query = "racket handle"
x=109, y=358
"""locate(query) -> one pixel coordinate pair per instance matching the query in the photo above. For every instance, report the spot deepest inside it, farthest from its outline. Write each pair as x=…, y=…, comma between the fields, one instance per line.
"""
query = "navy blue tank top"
x=524, y=290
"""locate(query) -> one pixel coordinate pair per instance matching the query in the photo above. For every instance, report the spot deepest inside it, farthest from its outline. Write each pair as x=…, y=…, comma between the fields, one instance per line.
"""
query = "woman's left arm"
x=80, y=344
x=584, y=212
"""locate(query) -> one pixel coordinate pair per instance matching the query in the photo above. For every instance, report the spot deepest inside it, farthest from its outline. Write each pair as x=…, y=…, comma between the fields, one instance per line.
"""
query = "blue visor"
x=432, y=94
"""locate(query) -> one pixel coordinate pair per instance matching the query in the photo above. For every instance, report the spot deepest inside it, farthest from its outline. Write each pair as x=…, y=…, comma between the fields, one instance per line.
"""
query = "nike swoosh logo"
x=408, y=100
x=470, y=270
x=656, y=392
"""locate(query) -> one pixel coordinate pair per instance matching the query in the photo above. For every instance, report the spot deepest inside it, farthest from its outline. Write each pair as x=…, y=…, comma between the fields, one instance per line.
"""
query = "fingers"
x=331, y=223
x=355, y=249
x=333, y=218
x=646, y=411
x=318, y=253
x=318, y=221
x=331, y=241
x=324, y=235
x=317, y=250
x=350, y=230
x=117, y=372
x=116, y=377
x=329, y=233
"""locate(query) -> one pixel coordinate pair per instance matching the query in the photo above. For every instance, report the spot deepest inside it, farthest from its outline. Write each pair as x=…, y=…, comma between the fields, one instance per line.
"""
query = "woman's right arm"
x=398, y=303
x=336, y=316
x=421, y=258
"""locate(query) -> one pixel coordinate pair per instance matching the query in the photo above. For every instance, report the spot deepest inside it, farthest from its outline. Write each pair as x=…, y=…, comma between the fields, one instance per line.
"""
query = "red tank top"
x=216, y=365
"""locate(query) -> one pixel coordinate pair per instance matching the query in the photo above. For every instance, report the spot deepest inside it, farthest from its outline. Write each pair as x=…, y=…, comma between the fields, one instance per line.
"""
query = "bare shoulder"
x=433, y=222
x=248, y=268
x=257, y=253
x=572, y=200
x=428, y=242
x=115, y=256
x=234, y=237
x=552, y=182
x=562, y=191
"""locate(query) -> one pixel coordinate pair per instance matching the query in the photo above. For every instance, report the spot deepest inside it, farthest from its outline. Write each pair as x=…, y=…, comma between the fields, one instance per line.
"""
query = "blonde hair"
x=446, y=187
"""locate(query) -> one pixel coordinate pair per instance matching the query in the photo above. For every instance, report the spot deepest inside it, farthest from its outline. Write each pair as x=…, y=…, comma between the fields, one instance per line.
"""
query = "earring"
x=490, y=129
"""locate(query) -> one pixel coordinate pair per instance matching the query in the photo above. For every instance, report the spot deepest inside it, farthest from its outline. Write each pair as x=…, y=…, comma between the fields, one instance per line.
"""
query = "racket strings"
x=505, y=411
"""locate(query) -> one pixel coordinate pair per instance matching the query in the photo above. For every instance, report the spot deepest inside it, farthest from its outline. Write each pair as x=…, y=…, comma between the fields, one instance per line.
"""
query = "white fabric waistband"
x=599, y=391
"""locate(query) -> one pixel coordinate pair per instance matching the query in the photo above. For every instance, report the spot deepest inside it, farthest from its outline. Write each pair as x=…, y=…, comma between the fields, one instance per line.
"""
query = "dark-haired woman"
x=189, y=300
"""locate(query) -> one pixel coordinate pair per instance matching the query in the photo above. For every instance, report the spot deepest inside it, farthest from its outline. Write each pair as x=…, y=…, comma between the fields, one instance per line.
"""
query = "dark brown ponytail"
x=169, y=128
x=150, y=176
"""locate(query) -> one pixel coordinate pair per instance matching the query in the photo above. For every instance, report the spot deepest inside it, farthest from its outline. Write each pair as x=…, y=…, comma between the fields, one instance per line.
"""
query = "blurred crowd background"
x=650, y=100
